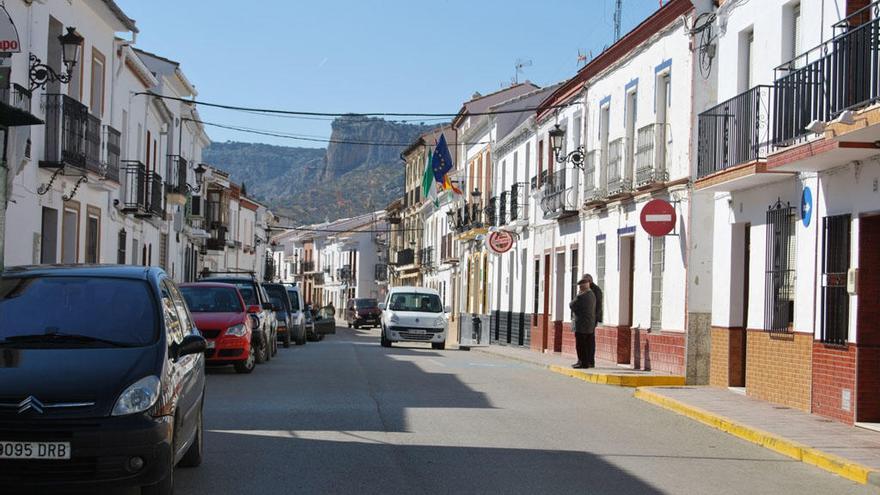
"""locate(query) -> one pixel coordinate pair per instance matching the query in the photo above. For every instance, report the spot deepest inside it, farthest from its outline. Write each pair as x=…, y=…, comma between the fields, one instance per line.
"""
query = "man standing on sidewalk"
x=583, y=309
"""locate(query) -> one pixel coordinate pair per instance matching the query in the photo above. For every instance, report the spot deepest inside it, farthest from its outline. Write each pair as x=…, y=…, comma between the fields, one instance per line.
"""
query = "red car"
x=221, y=315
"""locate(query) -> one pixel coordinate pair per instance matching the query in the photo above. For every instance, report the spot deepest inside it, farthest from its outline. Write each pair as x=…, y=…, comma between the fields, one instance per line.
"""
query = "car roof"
x=133, y=272
x=413, y=289
x=220, y=285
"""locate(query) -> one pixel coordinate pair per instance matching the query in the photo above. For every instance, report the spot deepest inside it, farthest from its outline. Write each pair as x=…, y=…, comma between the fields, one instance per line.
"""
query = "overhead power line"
x=347, y=114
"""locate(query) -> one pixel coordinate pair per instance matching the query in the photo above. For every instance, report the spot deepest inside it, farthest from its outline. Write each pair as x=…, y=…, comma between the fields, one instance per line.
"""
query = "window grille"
x=600, y=263
x=120, y=250
x=574, y=273
x=780, y=268
x=835, y=298
x=658, y=259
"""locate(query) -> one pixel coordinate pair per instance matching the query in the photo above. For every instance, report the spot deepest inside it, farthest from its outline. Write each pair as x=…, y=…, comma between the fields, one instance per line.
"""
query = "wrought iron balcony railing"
x=156, y=205
x=176, y=175
x=651, y=150
x=112, y=139
x=519, y=201
x=619, y=175
x=136, y=189
x=503, y=201
x=426, y=257
x=840, y=74
x=560, y=194
x=490, y=212
x=68, y=134
x=308, y=266
x=734, y=132
x=405, y=257
x=381, y=272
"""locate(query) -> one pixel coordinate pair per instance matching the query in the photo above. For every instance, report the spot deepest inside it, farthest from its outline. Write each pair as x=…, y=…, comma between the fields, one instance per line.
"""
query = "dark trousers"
x=585, y=343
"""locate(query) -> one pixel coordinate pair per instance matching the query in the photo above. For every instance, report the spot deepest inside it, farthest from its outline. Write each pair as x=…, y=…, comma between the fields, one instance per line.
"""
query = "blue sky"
x=364, y=56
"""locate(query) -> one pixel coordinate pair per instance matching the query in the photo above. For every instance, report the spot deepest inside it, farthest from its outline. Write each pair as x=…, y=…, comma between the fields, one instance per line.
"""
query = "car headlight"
x=138, y=397
x=237, y=330
x=440, y=322
x=394, y=319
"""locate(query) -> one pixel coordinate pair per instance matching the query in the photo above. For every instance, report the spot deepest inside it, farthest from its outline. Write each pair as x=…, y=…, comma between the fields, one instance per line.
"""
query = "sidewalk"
x=605, y=372
x=848, y=451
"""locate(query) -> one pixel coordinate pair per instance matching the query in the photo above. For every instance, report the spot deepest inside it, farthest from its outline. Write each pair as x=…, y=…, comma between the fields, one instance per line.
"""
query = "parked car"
x=414, y=314
x=220, y=314
x=325, y=321
x=362, y=312
x=103, y=379
x=259, y=305
x=289, y=327
x=309, y=319
x=297, y=312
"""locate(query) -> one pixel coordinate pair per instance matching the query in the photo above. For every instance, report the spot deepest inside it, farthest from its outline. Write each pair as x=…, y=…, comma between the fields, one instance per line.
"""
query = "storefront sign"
x=806, y=206
x=8, y=34
x=658, y=218
x=500, y=241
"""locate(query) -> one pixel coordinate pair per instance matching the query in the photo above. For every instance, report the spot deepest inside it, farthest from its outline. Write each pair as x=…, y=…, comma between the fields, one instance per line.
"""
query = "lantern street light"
x=200, y=179
x=557, y=137
x=41, y=74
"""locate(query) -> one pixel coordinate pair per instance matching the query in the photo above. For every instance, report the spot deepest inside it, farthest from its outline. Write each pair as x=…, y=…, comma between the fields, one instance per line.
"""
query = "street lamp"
x=557, y=137
x=200, y=178
x=41, y=74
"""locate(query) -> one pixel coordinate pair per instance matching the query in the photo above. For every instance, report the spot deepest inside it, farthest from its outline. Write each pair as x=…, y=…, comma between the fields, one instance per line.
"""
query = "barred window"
x=574, y=273
x=120, y=250
x=600, y=263
x=658, y=259
x=780, y=268
x=835, y=265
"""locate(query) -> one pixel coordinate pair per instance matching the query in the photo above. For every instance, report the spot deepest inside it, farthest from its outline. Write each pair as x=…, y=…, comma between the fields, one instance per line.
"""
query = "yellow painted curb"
x=823, y=460
x=620, y=380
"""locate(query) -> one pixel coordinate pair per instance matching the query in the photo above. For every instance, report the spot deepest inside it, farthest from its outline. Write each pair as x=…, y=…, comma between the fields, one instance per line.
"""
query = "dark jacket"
x=583, y=308
x=599, y=302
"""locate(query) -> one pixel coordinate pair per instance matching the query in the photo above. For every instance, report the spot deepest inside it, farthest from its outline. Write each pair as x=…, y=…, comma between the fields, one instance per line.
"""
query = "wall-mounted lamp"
x=41, y=74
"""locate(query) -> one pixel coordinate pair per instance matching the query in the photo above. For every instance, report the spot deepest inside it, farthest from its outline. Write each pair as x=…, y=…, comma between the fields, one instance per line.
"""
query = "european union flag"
x=442, y=160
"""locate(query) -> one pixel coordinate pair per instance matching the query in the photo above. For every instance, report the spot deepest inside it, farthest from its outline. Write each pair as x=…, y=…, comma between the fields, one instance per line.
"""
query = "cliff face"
x=311, y=184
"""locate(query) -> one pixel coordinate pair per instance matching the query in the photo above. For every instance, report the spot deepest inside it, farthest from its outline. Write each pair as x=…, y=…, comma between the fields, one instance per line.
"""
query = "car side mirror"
x=447, y=309
x=191, y=344
x=382, y=306
x=269, y=307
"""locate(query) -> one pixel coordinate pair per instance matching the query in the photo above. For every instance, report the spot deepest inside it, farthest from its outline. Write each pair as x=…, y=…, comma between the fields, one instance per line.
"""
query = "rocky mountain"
x=353, y=175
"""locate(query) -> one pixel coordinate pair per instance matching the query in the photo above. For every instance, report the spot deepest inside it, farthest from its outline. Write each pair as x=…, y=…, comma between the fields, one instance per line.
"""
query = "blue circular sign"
x=806, y=206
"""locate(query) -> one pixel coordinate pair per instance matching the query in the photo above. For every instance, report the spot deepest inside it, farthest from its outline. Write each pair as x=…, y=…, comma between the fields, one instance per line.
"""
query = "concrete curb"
x=600, y=378
x=823, y=460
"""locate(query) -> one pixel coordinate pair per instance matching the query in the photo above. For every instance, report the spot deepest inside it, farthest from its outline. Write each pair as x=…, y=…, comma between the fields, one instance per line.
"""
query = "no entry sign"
x=658, y=217
x=500, y=241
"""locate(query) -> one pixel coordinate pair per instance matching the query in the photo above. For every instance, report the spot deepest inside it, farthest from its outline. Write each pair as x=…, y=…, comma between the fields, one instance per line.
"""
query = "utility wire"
x=348, y=114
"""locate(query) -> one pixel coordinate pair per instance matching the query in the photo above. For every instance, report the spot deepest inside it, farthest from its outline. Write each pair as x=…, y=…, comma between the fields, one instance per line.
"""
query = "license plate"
x=210, y=344
x=417, y=331
x=34, y=450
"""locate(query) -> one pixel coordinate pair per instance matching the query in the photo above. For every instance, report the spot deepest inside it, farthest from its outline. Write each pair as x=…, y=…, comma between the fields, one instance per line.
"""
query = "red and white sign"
x=500, y=241
x=658, y=217
x=8, y=34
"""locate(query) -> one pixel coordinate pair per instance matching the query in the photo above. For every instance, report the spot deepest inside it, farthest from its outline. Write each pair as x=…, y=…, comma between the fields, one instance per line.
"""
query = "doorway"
x=627, y=269
x=738, y=343
x=868, y=322
x=545, y=317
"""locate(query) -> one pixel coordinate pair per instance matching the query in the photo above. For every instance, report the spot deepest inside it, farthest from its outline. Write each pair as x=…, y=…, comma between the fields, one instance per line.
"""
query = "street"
x=347, y=416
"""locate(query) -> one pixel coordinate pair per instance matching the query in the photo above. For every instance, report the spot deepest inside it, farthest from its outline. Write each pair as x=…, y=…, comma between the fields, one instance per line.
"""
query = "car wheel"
x=349, y=324
x=385, y=342
x=193, y=456
x=438, y=345
x=248, y=364
x=357, y=327
x=262, y=354
x=287, y=338
x=301, y=337
x=274, y=344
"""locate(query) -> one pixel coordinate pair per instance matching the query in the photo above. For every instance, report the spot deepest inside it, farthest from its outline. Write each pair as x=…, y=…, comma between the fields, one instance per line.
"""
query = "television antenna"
x=618, y=11
x=520, y=64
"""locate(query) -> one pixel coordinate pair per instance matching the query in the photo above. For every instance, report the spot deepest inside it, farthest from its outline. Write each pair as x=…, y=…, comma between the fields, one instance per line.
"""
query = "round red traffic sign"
x=658, y=217
x=500, y=241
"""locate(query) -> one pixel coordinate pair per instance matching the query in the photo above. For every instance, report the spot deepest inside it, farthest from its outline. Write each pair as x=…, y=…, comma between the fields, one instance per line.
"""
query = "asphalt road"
x=347, y=416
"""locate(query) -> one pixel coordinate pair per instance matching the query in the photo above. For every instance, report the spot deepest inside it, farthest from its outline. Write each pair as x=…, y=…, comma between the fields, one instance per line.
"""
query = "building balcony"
x=381, y=272
x=344, y=274
x=447, y=249
x=73, y=137
x=593, y=194
x=559, y=195
x=177, y=169
x=503, y=201
x=217, y=240
x=136, y=188
x=15, y=106
x=112, y=139
x=426, y=258
x=156, y=204
x=405, y=257
x=307, y=267
x=651, y=155
x=490, y=212
x=519, y=202
x=619, y=173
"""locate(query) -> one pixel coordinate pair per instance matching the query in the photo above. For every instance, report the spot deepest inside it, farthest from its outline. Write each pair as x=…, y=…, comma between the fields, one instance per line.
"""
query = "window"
x=576, y=125
x=780, y=266
x=538, y=181
x=134, y=251
x=96, y=96
x=70, y=234
x=173, y=326
x=658, y=260
x=746, y=60
x=835, y=265
x=163, y=251
x=49, y=236
x=120, y=250
x=74, y=86
x=123, y=144
x=535, y=289
x=212, y=300
x=574, y=272
x=791, y=31
x=93, y=234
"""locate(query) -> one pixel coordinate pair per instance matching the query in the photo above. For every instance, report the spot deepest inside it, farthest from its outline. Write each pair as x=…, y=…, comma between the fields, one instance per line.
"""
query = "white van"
x=414, y=314
x=297, y=313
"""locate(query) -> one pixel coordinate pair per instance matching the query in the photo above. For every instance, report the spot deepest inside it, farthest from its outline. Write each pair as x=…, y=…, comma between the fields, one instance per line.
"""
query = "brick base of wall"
x=569, y=347
x=779, y=367
x=554, y=338
x=834, y=375
x=658, y=351
x=536, y=337
x=726, y=363
x=613, y=344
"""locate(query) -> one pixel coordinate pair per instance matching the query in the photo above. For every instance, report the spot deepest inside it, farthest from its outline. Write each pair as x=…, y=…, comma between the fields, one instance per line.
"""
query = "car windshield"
x=365, y=303
x=410, y=301
x=294, y=300
x=87, y=309
x=277, y=296
x=212, y=299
